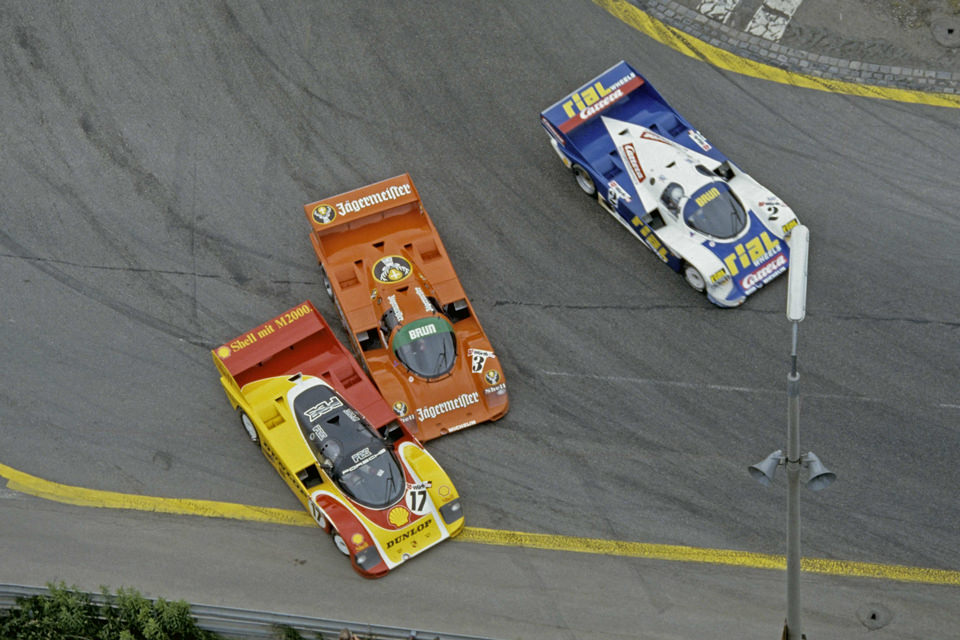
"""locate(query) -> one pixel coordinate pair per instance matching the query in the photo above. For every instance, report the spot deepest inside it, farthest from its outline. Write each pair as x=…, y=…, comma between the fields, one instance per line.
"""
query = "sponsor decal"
x=589, y=101
x=617, y=193
x=699, y=139
x=420, y=332
x=460, y=402
x=655, y=137
x=392, y=192
x=423, y=526
x=363, y=454
x=650, y=238
x=265, y=330
x=633, y=162
x=478, y=357
x=358, y=542
x=400, y=408
x=322, y=407
x=317, y=433
x=754, y=252
x=500, y=388
x=391, y=269
x=765, y=273
x=427, y=305
x=492, y=376
x=719, y=277
x=463, y=425
x=788, y=227
x=396, y=308
x=708, y=195
x=399, y=516
x=224, y=351
x=324, y=214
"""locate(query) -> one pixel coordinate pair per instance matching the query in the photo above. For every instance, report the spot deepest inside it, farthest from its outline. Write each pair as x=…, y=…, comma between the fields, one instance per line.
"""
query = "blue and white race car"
x=661, y=179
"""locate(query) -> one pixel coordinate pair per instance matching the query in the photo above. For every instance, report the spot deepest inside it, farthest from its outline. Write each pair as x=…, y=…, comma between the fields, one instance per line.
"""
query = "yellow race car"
x=362, y=475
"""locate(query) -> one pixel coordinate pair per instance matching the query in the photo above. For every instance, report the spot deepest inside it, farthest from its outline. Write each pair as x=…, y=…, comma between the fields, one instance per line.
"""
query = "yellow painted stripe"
x=79, y=496
x=678, y=553
x=695, y=48
x=25, y=483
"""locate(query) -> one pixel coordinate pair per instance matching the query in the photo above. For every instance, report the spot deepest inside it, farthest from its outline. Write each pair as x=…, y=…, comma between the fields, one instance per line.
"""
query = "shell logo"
x=399, y=516
x=223, y=352
x=357, y=539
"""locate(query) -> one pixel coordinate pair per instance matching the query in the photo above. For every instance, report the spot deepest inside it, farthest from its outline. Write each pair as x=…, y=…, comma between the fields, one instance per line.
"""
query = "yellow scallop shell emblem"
x=399, y=516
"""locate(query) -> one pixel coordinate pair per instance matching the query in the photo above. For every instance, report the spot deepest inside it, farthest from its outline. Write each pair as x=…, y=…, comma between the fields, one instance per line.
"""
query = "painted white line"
x=719, y=10
x=772, y=18
x=725, y=387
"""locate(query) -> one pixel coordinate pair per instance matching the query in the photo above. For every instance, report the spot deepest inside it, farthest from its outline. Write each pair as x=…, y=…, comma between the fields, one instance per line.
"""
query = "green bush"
x=68, y=614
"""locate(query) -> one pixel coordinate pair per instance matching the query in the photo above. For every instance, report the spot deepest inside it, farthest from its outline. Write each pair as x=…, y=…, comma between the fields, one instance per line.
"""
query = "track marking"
x=695, y=48
x=719, y=10
x=79, y=496
x=727, y=387
x=772, y=18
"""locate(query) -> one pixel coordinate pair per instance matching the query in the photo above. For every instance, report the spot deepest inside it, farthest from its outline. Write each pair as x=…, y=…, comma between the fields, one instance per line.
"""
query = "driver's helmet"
x=330, y=450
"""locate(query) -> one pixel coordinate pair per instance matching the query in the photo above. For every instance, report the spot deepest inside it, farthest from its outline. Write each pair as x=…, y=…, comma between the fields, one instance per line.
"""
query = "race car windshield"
x=347, y=446
x=426, y=347
x=371, y=476
x=715, y=211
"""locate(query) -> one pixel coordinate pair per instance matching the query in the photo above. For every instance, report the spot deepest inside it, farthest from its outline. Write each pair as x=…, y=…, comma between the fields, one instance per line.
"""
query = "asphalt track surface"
x=154, y=163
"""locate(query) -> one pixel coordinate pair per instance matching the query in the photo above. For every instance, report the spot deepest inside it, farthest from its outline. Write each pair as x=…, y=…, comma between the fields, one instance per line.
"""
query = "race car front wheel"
x=692, y=275
x=339, y=542
x=584, y=181
x=249, y=428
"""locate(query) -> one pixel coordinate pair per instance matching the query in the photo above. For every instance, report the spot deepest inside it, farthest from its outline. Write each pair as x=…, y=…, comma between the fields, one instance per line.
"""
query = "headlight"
x=368, y=558
x=451, y=511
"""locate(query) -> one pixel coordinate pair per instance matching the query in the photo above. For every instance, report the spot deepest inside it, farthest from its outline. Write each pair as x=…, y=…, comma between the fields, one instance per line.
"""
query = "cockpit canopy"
x=348, y=447
x=427, y=347
x=712, y=209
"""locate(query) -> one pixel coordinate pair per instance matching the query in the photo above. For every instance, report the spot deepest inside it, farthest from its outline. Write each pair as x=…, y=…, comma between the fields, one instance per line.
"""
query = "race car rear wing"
x=394, y=206
x=355, y=207
x=299, y=340
x=595, y=97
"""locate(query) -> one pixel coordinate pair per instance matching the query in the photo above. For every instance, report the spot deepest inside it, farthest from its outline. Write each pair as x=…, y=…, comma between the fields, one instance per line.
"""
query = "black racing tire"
x=584, y=181
x=326, y=282
x=249, y=427
x=694, y=278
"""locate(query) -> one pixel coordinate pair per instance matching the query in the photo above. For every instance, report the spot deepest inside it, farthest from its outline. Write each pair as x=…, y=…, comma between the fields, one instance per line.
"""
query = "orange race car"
x=409, y=320
x=321, y=423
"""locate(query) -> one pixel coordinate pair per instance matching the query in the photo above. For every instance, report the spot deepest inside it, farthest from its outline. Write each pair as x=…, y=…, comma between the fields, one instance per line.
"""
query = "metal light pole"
x=764, y=471
x=796, y=311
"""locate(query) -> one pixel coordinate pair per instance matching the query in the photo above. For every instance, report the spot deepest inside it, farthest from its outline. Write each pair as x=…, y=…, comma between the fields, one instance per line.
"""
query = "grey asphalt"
x=154, y=163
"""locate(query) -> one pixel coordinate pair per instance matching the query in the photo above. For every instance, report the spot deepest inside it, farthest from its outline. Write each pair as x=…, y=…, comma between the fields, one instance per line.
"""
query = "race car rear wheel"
x=692, y=275
x=339, y=542
x=249, y=428
x=326, y=282
x=584, y=181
